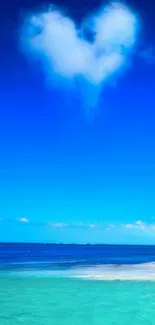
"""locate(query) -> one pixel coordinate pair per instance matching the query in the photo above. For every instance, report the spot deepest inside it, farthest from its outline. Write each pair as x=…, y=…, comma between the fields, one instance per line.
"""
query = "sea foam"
x=134, y=272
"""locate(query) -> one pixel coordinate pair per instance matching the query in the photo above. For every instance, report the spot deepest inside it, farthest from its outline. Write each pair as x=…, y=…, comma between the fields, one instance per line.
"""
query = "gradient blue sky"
x=65, y=177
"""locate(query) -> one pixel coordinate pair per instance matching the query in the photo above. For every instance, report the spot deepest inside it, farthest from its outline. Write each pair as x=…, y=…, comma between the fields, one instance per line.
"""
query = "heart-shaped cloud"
x=67, y=51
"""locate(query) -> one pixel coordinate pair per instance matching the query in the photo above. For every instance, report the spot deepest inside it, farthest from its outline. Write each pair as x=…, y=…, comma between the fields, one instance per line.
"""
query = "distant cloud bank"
x=104, y=226
x=65, y=50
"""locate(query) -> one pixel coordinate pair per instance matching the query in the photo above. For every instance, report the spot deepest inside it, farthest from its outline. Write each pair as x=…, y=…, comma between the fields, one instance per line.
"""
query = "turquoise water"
x=37, y=300
x=77, y=284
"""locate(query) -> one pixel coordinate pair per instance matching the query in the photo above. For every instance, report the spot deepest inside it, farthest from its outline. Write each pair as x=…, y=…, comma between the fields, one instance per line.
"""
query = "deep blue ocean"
x=50, y=256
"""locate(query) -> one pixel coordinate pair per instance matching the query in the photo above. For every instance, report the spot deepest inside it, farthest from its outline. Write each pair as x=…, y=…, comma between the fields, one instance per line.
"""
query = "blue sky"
x=69, y=171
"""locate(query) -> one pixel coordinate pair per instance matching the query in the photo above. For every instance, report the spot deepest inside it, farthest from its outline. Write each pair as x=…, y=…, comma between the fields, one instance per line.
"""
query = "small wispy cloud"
x=137, y=225
x=129, y=226
x=57, y=224
x=65, y=50
x=109, y=227
x=140, y=225
x=72, y=225
x=93, y=225
x=78, y=224
x=23, y=219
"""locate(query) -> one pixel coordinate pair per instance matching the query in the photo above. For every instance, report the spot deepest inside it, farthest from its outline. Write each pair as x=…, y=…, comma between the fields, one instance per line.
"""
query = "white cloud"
x=109, y=227
x=140, y=225
x=77, y=225
x=83, y=225
x=72, y=225
x=129, y=226
x=137, y=225
x=65, y=50
x=24, y=220
x=93, y=225
x=57, y=224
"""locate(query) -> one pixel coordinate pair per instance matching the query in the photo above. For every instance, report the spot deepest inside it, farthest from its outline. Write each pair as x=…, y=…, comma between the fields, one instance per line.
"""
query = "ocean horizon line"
x=75, y=244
